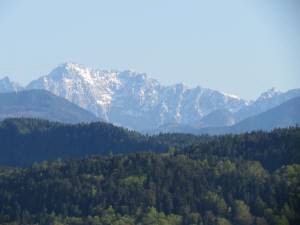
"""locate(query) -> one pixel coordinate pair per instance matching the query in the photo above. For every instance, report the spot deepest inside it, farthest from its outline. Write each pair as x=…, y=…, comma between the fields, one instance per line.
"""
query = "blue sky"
x=241, y=47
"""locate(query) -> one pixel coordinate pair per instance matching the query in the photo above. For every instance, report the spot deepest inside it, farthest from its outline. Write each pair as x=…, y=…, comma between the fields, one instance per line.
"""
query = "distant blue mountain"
x=42, y=104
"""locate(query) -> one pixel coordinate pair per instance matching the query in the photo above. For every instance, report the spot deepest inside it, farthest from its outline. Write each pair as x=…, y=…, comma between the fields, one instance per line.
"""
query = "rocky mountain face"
x=132, y=99
x=218, y=118
x=6, y=85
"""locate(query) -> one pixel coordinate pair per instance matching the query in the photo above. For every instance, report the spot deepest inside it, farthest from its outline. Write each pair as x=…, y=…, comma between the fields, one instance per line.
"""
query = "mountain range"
x=285, y=115
x=136, y=101
x=133, y=100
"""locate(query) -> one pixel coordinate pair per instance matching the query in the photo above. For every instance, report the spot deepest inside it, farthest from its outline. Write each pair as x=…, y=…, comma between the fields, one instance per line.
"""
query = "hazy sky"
x=241, y=47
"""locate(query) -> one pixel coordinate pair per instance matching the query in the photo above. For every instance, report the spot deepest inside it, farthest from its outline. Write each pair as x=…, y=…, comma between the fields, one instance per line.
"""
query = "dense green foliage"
x=247, y=179
x=25, y=141
x=271, y=149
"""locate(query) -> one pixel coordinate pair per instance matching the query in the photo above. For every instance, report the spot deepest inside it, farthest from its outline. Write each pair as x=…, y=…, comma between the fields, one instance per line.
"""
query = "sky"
x=241, y=47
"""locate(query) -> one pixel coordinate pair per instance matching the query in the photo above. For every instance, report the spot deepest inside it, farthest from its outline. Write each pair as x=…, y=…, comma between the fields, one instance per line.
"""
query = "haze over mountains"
x=136, y=101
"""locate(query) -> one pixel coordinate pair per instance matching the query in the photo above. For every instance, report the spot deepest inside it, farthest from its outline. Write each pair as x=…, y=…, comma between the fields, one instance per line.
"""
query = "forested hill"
x=25, y=141
x=249, y=179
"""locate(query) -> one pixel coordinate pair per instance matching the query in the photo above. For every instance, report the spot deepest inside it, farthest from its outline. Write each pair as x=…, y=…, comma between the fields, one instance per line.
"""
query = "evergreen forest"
x=243, y=179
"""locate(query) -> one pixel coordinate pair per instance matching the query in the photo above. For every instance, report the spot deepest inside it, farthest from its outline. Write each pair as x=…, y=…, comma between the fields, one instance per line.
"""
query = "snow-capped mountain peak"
x=72, y=70
x=6, y=85
x=269, y=94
